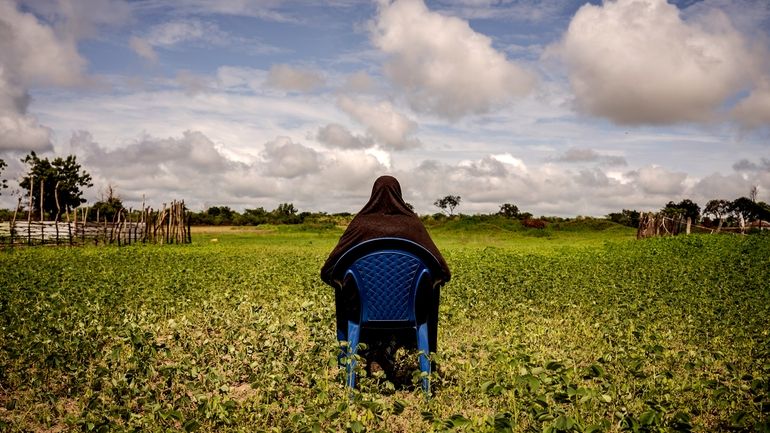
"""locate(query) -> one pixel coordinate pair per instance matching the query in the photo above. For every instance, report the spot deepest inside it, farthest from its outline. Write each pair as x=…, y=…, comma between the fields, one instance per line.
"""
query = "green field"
x=574, y=328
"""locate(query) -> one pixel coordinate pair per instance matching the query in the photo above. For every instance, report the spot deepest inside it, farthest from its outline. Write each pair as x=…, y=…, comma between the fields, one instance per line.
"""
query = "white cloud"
x=142, y=48
x=638, y=62
x=584, y=154
x=192, y=84
x=509, y=10
x=487, y=167
x=359, y=82
x=82, y=18
x=744, y=165
x=231, y=77
x=754, y=110
x=336, y=135
x=264, y=9
x=388, y=127
x=185, y=33
x=441, y=64
x=150, y=157
x=31, y=54
x=516, y=164
x=181, y=31
x=192, y=167
x=19, y=130
x=718, y=186
x=547, y=189
x=291, y=79
x=284, y=158
x=658, y=180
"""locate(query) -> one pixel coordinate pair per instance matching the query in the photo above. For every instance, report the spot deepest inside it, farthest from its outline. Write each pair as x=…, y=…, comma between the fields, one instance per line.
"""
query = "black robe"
x=385, y=215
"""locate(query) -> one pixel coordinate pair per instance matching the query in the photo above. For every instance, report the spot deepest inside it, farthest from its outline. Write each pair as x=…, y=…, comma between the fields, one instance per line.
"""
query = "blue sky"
x=560, y=107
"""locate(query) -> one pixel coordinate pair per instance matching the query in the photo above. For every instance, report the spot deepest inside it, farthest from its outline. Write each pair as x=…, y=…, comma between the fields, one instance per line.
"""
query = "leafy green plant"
x=573, y=334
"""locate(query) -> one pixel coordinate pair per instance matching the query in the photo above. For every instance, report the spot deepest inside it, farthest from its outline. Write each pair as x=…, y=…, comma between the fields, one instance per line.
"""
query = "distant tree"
x=763, y=211
x=108, y=206
x=218, y=216
x=509, y=210
x=285, y=213
x=717, y=208
x=448, y=203
x=686, y=208
x=61, y=177
x=285, y=209
x=750, y=210
x=3, y=182
x=626, y=217
x=220, y=211
x=255, y=216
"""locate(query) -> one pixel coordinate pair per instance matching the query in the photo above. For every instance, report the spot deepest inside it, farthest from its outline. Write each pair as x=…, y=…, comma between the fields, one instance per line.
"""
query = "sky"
x=560, y=107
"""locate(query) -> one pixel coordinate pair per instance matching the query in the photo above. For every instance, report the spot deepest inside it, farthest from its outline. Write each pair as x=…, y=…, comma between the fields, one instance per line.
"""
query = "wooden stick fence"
x=652, y=224
x=170, y=225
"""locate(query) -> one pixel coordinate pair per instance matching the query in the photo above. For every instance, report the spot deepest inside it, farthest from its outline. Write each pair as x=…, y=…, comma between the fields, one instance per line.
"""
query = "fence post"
x=58, y=210
x=29, y=210
x=42, y=226
x=13, y=221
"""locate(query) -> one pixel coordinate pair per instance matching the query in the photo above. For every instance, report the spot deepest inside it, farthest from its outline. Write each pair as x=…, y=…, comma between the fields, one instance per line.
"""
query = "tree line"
x=717, y=212
x=55, y=186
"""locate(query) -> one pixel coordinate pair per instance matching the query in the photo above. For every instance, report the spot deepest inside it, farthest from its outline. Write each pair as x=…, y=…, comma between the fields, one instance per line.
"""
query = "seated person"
x=384, y=215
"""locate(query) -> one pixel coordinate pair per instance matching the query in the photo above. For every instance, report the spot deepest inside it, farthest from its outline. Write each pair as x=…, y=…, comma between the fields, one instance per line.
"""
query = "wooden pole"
x=13, y=221
x=115, y=229
x=58, y=210
x=69, y=226
x=142, y=220
x=189, y=232
x=29, y=210
x=96, y=236
x=112, y=226
x=75, y=218
x=42, y=227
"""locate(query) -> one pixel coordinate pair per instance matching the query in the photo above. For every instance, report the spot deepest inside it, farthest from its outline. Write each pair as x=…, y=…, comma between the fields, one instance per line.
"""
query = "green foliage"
x=686, y=208
x=509, y=210
x=285, y=213
x=717, y=208
x=626, y=217
x=6, y=214
x=107, y=207
x=62, y=176
x=750, y=210
x=3, y=182
x=448, y=203
x=536, y=334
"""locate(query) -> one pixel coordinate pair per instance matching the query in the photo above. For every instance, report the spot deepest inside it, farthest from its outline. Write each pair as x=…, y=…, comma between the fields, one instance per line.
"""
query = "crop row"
x=656, y=335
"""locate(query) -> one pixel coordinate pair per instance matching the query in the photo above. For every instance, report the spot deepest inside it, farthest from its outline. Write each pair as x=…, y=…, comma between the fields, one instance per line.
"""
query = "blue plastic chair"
x=388, y=272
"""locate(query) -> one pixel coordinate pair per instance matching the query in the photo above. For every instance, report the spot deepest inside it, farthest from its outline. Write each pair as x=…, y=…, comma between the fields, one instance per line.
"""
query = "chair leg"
x=354, y=334
x=424, y=348
x=343, y=353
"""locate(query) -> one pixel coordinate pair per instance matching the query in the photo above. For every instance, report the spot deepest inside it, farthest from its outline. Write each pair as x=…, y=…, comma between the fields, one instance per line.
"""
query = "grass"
x=568, y=330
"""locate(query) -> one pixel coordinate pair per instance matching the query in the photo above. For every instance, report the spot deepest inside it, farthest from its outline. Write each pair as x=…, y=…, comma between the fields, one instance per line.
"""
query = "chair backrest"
x=387, y=284
x=388, y=273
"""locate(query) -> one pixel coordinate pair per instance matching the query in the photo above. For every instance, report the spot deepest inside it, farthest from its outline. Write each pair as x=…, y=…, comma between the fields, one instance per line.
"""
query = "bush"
x=533, y=223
